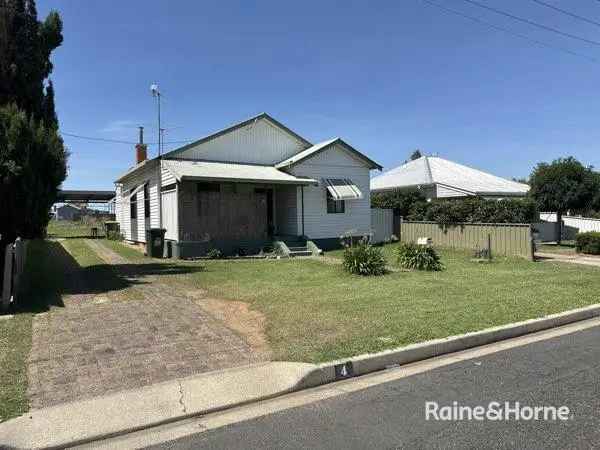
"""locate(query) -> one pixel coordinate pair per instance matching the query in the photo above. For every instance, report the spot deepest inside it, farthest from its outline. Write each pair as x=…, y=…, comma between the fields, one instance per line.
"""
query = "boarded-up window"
x=208, y=194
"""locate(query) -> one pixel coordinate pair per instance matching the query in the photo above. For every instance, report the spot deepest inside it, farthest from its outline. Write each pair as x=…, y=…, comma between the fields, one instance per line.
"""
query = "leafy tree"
x=32, y=155
x=400, y=200
x=563, y=185
x=32, y=165
x=415, y=155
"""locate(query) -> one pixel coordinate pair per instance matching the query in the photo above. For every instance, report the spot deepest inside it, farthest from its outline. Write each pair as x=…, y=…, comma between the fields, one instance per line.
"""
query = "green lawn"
x=70, y=229
x=42, y=284
x=126, y=251
x=316, y=312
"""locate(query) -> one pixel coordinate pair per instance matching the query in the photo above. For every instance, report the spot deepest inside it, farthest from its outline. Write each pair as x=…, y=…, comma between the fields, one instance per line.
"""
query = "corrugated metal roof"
x=232, y=172
x=429, y=170
x=322, y=146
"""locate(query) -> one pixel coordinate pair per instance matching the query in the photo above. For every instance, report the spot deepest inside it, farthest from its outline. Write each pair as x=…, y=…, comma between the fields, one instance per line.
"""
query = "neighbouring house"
x=67, y=212
x=440, y=178
x=246, y=187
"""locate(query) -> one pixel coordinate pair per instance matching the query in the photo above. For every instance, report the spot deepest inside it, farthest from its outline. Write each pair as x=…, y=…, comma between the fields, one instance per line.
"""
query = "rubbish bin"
x=155, y=242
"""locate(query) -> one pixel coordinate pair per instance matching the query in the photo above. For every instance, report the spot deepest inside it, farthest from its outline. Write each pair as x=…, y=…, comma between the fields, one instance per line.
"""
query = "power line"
x=506, y=30
x=116, y=141
x=584, y=19
x=531, y=22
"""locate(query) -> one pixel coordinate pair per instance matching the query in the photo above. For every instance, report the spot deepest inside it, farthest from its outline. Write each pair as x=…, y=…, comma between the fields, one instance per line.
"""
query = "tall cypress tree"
x=32, y=155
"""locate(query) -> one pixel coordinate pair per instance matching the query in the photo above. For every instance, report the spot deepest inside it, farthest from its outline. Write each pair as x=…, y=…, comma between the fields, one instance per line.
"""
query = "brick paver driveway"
x=101, y=343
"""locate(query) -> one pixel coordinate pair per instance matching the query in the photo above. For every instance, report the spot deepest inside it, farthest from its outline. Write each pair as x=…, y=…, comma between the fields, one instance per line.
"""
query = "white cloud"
x=120, y=126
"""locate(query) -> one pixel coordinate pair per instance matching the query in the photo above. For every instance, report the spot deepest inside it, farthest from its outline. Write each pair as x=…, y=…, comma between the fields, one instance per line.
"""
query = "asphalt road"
x=560, y=371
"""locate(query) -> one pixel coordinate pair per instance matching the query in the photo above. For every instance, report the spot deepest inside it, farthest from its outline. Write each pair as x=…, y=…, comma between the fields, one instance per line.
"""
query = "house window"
x=335, y=206
x=133, y=204
x=146, y=201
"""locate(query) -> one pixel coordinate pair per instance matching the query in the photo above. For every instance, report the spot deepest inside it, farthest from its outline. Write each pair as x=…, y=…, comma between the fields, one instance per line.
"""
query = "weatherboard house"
x=244, y=188
x=439, y=178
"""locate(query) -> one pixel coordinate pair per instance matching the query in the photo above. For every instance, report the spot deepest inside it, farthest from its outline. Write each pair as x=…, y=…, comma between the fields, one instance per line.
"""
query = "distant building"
x=440, y=178
x=67, y=212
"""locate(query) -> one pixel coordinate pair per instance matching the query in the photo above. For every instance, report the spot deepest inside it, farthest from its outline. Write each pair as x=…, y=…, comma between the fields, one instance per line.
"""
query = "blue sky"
x=387, y=77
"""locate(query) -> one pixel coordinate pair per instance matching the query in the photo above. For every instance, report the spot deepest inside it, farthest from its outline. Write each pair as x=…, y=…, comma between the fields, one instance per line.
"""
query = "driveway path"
x=586, y=260
x=99, y=343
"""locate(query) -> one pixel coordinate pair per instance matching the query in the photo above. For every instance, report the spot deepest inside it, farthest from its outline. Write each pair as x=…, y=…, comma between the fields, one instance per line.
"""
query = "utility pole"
x=156, y=93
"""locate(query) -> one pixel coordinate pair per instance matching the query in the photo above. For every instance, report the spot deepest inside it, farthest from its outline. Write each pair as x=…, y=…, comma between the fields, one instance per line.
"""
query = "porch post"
x=302, y=201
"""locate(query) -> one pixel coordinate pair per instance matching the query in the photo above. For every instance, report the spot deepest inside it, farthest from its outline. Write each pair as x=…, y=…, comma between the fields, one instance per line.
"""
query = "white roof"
x=429, y=170
x=310, y=151
x=218, y=171
x=306, y=153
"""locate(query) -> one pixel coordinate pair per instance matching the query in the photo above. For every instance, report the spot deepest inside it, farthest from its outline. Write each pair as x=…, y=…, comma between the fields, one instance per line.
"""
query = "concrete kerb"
x=85, y=421
x=367, y=363
x=128, y=411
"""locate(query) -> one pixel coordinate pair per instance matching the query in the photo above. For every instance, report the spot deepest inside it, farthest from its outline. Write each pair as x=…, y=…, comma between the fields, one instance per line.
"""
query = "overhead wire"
x=511, y=32
x=532, y=23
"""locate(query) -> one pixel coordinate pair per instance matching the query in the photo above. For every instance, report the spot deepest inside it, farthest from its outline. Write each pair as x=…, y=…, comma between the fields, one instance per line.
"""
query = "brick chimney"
x=141, y=149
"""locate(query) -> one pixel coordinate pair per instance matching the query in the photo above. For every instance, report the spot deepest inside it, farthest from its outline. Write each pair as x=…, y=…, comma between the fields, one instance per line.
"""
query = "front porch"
x=237, y=218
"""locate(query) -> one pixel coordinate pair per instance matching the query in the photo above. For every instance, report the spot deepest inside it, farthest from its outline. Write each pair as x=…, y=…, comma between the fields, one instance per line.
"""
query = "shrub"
x=214, y=253
x=400, y=200
x=588, y=242
x=363, y=259
x=420, y=257
x=448, y=212
x=114, y=235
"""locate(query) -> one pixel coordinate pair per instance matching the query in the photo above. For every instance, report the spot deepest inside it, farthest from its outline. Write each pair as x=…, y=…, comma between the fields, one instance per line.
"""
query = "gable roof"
x=429, y=170
x=322, y=146
x=234, y=127
x=231, y=172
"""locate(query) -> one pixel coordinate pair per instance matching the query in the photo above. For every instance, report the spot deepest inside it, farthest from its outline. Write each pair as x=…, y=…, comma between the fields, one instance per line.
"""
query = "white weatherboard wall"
x=446, y=192
x=334, y=162
x=118, y=202
x=583, y=224
x=135, y=230
x=260, y=142
x=167, y=176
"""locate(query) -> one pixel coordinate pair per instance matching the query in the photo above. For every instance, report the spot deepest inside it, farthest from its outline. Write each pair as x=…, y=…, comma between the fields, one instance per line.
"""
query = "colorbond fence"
x=14, y=263
x=507, y=239
x=382, y=225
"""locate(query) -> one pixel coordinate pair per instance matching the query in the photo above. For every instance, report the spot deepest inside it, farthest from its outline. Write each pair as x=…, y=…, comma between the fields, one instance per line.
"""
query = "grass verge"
x=126, y=251
x=42, y=283
x=316, y=312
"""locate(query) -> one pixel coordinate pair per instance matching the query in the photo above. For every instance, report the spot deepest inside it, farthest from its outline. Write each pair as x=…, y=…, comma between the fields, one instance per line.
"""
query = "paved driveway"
x=103, y=342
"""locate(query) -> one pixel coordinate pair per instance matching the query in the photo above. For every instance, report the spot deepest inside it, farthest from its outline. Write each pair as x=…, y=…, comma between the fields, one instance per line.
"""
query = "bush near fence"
x=588, y=242
x=507, y=239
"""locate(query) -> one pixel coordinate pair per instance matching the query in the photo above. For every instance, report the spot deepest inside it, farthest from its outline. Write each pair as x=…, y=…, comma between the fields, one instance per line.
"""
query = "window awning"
x=343, y=189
